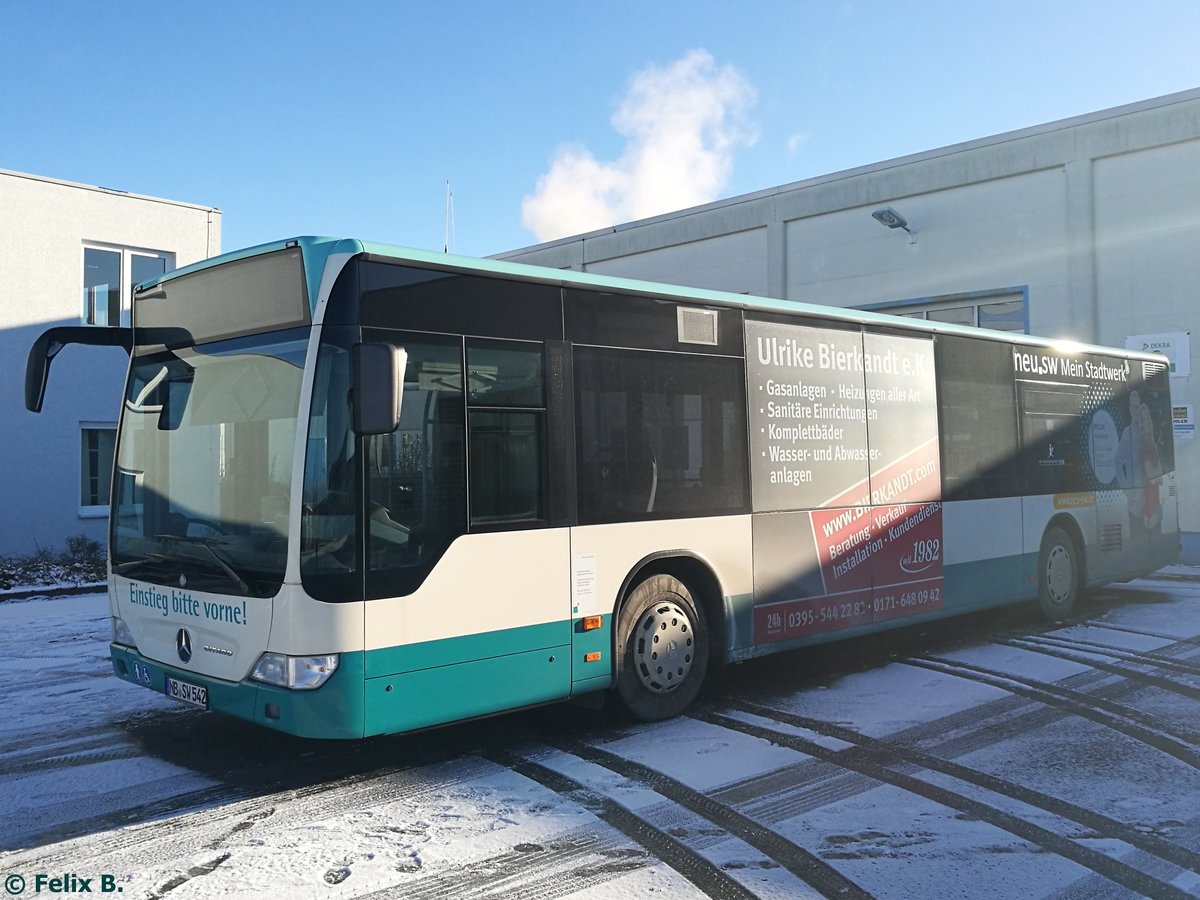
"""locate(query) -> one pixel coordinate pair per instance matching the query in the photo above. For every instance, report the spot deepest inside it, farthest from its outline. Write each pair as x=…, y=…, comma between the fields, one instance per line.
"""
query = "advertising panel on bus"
x=845, y=477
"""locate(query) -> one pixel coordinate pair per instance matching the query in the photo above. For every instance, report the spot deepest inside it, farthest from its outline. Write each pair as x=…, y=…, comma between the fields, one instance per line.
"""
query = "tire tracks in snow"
x=723, y=819
x=1085, y=653
x=908, y=760
x=702, y=873
x=129, y=829
x=1125, y=720
x=873, y=765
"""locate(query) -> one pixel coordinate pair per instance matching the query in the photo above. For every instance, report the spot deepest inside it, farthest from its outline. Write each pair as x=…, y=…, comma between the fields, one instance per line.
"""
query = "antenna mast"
x=448, y=244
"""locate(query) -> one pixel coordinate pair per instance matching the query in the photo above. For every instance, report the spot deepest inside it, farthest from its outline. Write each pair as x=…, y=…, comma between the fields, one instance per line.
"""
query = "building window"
x=96, y=446
x=109, y=274
x=1006, y=310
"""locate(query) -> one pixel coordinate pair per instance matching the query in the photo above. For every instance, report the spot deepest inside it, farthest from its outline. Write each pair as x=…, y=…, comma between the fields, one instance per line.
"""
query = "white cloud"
x=796, y=141
x=682, y=124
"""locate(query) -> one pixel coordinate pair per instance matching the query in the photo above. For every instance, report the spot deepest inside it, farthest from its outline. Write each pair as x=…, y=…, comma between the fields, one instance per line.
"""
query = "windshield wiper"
x=124, y=567
x=207, y=544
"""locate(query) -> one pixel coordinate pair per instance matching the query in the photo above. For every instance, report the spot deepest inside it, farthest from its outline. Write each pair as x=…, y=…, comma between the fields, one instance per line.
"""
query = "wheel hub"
x=663, y=647
x=1059, y=574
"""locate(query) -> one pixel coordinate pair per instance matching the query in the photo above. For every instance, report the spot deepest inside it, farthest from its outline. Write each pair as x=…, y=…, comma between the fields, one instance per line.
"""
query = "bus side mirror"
x=378, y=387
x=51, y=342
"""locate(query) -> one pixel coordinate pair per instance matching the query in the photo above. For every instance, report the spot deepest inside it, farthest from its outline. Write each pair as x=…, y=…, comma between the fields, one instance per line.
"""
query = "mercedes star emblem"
x=183, y=643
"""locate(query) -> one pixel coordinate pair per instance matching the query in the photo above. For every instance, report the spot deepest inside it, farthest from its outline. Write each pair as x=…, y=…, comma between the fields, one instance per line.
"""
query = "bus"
x=361, y=490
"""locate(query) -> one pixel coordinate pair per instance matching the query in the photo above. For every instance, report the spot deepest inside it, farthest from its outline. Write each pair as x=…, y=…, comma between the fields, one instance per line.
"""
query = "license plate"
x=194, y=694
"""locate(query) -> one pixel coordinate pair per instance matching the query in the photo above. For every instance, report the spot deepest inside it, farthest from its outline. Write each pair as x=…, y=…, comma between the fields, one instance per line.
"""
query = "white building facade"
x=1085, y=229
x=69, y=255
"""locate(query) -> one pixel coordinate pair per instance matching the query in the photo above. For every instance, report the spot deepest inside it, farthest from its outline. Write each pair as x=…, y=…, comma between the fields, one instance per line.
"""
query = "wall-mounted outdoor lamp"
x=892, y=219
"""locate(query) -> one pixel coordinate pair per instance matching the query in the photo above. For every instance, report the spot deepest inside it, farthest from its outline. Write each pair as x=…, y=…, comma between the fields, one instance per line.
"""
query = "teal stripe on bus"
x=448, y=693
x=467, y=648
x=986, y=582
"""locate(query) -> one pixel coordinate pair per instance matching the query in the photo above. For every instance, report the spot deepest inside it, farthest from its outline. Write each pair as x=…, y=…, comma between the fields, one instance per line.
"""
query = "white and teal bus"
x=361, y=490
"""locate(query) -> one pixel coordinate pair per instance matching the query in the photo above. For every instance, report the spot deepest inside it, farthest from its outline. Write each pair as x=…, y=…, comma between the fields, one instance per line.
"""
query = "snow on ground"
x=702, y=756
x=455, y=817
x=472, y=826
x=54, y=653
x=889, y=699
x=60, y=705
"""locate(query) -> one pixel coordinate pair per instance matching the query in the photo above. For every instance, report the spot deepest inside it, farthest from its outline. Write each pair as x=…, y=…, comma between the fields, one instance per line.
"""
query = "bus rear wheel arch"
x=663, y=648
x=1060, y=572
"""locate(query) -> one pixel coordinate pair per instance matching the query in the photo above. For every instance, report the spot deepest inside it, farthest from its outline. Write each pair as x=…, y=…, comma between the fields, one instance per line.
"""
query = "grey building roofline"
x=923, y=156
x=111, y=191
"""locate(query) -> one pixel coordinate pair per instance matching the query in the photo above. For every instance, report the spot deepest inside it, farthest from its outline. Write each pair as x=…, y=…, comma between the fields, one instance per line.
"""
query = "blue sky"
x=349, y=118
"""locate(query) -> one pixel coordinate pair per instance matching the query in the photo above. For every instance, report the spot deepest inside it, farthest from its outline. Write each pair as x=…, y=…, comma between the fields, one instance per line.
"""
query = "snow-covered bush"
x=82, y=562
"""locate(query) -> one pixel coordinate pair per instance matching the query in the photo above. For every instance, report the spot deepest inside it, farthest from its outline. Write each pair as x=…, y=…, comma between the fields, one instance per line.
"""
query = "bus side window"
x=659, y=435
x=328, y=550
x=507, y=427
x=978, y=418
x=1052, y=435
x=416, y=494
x=1158, y=426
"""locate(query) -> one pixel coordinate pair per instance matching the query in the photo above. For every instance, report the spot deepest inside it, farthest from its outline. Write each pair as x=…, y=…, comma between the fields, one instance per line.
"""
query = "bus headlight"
x=296, y=673
x=121, y=633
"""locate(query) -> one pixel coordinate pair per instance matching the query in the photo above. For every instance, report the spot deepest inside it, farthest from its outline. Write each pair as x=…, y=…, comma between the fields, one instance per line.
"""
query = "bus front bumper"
x=334, y=710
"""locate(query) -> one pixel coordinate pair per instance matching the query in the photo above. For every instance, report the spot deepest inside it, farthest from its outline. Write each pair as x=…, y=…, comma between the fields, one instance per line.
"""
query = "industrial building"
x=1085, y=229
x=70, y=255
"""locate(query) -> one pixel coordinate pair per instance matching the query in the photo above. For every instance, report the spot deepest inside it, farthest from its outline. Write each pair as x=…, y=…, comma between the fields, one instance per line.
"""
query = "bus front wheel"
x=662, y=649
x=1059, y=574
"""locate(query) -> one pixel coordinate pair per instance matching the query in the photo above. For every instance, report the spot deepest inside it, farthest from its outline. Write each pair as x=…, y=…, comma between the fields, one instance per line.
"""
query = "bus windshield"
x=204, y=463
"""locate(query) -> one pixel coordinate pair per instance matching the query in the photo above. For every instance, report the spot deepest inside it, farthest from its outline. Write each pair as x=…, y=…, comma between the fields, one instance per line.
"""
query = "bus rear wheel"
x=1059, y=574
x=662, y=649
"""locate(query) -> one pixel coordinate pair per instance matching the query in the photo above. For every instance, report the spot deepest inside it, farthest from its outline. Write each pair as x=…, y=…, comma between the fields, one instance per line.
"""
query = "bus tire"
x=1060, y=567
x=662, y=649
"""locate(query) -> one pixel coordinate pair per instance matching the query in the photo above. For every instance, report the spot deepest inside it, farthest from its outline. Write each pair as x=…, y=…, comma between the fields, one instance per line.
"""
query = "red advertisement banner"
x=881, y=563
x=877, y=563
